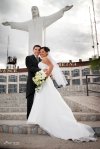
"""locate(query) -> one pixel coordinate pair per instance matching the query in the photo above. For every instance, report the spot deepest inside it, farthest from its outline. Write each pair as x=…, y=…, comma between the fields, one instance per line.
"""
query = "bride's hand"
x=46, y=72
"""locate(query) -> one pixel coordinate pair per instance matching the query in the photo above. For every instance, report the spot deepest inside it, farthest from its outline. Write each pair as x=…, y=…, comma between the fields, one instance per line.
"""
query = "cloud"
x=7, y=6
x=69, y=37
x=60, y=3
x=63, y=57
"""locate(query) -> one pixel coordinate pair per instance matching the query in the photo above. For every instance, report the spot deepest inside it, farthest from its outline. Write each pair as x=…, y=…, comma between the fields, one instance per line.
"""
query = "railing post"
x=87, y=85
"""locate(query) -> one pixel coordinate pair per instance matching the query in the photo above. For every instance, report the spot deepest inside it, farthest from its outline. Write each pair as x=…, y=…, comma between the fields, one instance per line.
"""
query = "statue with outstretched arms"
x=36, y=26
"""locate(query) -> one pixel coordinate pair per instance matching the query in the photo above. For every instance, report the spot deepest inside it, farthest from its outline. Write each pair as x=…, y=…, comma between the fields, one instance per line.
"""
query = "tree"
x=95, y=64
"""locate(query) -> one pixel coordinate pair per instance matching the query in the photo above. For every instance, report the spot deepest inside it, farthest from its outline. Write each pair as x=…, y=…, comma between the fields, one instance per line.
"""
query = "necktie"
x=37, y=59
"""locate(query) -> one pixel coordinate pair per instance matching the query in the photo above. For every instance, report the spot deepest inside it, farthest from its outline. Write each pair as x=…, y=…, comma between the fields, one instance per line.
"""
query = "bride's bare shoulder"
x=45, y=59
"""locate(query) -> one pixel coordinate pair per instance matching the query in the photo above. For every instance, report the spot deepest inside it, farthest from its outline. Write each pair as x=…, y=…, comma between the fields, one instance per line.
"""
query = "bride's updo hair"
x=46, y=49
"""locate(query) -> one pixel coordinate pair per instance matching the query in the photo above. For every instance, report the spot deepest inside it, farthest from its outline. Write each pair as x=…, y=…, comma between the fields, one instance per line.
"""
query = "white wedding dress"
x=52, y=114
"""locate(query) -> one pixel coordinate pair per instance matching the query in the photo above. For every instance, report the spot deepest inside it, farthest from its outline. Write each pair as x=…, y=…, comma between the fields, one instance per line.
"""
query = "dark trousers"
x=30, y=100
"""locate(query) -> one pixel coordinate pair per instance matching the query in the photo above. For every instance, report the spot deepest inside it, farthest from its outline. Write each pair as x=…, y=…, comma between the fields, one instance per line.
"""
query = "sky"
x=69, y=38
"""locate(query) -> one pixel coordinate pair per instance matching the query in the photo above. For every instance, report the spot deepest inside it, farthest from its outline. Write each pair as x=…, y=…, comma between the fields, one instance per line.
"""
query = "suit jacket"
x=32, y=66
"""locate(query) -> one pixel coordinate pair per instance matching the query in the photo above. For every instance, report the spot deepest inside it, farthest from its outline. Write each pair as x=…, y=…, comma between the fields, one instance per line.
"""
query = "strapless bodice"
x=42, y=65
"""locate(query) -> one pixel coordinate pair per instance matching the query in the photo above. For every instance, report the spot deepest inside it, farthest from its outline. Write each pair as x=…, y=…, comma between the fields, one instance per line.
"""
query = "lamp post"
x=93, y=46
x=95, y=25
x=7, y=52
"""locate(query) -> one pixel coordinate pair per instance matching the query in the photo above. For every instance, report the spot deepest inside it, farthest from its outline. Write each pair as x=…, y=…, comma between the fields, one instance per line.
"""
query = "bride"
x=51, y=112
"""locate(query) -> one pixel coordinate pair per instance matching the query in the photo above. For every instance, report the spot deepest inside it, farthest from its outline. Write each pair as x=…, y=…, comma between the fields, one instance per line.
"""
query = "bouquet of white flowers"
x=39, y=79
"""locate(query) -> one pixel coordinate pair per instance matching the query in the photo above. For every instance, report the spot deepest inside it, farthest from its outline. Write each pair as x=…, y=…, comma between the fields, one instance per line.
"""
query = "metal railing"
x=87, y=83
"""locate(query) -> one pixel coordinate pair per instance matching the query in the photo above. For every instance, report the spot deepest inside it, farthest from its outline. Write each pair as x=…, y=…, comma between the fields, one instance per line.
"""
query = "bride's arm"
x=47, y=61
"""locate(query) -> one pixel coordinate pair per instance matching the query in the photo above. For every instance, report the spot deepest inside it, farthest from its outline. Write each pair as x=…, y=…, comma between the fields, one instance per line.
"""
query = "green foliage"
x=95, y=64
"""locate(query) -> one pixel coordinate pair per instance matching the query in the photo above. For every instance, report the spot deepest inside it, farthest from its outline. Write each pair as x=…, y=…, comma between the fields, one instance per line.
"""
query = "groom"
x=32, y=66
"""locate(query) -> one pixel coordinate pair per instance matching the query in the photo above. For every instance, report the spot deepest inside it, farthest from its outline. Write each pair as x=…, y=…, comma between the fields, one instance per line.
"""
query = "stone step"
x=78, y=115
x=19, y=106
x=12, y=109
x=79, y=107
x=76, y=105
x=13, y=116
x=22, y=108
x=13, y=104
x=21, y=127
x=10, y=100
x=91, y=103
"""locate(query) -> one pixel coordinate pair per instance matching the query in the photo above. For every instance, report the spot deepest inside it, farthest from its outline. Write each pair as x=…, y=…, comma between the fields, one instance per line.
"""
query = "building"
x=14, y=80
x=75, y=72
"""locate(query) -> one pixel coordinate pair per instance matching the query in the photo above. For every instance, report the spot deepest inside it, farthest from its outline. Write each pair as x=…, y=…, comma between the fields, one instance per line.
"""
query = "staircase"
x=13, y=113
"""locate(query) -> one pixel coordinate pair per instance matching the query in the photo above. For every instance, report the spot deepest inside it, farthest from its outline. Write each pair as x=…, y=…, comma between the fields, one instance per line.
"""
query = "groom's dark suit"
x=32, y=66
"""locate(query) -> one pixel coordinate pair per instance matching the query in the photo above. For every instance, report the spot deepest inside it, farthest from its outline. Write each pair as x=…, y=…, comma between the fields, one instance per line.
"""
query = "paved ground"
x=28, y=141
x=10, y=141
x=92, y=102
